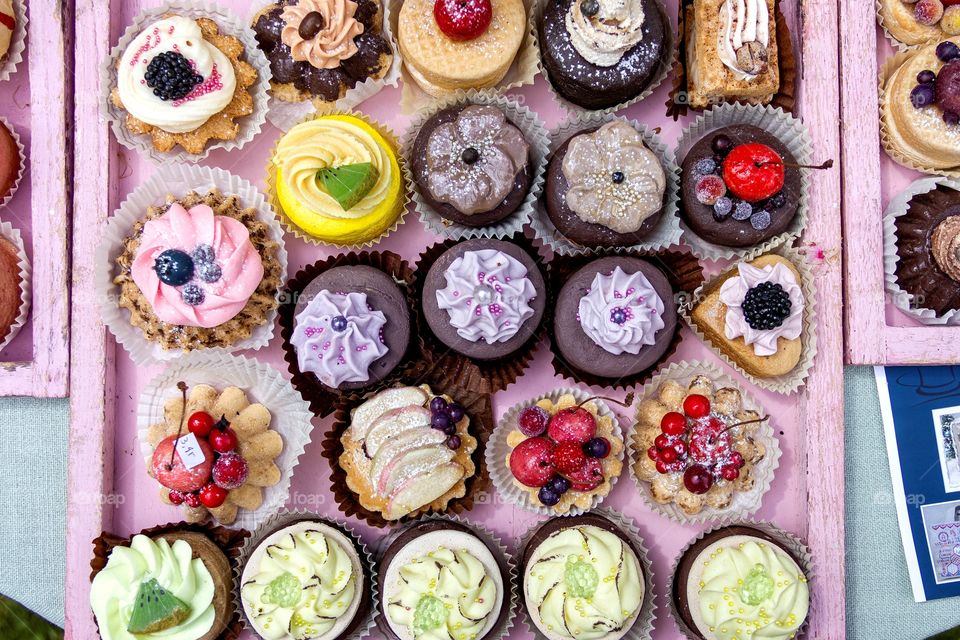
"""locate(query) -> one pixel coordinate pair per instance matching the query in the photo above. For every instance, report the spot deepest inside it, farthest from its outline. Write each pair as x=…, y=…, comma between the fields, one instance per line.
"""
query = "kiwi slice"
x=350, y=183
x=156, y=609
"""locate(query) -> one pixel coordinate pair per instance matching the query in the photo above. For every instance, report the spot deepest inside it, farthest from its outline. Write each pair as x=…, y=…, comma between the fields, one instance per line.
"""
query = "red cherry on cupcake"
x=573, y=424
x=531, y=462
x=696, y=406
x=697, y=479
x=463, y=19
x=673, y=423
x=212, y=496
x=753, y=172
x=223, y=440
x=169, y=470
x=200, y=424
x=568, y=457
x=729, y=472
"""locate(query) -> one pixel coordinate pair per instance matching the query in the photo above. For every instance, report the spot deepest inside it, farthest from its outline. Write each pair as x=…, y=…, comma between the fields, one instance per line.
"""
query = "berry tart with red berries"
x=559, y=454
x=214, y=453
x=700, y=448
x=740, y=186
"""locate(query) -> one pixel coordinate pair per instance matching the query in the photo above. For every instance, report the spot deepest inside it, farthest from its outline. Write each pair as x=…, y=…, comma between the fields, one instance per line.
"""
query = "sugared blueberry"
x=548, y=497
x=173, y=267
x=948, y=51
x=597, y=448
x=721, y=144
x=192, y=295
x=705, y=166
x=760, y=220
x=209, y=271
x=338, y=323
x=455, y=412
x=438, y=405
x=722, y=208
x=923, y=95
x=742, y=211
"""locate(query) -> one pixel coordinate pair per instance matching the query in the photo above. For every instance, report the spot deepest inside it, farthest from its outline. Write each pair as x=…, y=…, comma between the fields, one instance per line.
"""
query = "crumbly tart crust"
x=256, y=442
x=612, y=464
x=241, y=326
x=220, y=126
x=356, y=465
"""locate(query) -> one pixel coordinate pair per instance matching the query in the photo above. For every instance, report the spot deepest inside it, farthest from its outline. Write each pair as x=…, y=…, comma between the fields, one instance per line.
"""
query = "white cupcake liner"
x=906, y=302
x=291, y=226
x=176, y=181
x=789, y=130
x=498, y=449
x=510, y=595
x=793, y=381
x=902, y=156
x=523, y=71
x=262, y=384
x=285, y=518
x=897, y=44
x=643, y=625
x=13, y=235
x=800, y=552
x=744, y=503
x=23, y=162
x=229, y=24
x=535, y=134
x=18, y=42
x=284, y=115
x=671, y=52
x=667, y=231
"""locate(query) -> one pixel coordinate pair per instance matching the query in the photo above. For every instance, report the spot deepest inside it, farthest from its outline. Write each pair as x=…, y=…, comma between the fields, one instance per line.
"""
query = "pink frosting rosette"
x=735, y=289
x=622, y=312
x=226, y=266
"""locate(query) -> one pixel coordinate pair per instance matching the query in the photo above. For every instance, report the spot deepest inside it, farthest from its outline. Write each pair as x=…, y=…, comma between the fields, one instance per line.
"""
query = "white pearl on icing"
x=483, y=294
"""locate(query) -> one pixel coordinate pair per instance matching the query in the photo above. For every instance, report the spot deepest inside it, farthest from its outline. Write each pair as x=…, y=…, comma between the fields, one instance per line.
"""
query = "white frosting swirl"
x=742, y=22
x=487, y=295
x=622, y=312
x=208, y=98
x=602, y=39
x=735, y=325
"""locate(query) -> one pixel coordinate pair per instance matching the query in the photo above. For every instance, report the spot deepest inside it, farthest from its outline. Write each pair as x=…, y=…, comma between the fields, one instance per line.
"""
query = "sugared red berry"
x=559, y=485
x=696, y=406
x=175, y=497
x=597, y=448
x=729, y=472
x=709, y=189
x=668, y=455
x=223, y=440
x=760, y=220
x=742, y=210
x=705, y=166
x=192, y=295
x=438, y=405
x=568, y=457
x=753, y=172
x=463, y=19
x=548, y=497
x=200, y=424
x=722, y=208
x=440, y=421
x=574, y=424
x=171, y=76
x=617, y=177
x=533, y=421
x=766, y=306
x=338, y=323
x=737, y=459
x=928, y=12
x=203, y=254
x=721, y=144
x=653, y=453
x=212, y=496
x=661, y=441
x=680, y=447
x=588, y=477
x=662, y=467
x=589, y=8
x=470, y=155
x=673, y=423
x=926, y=76
x=923, y=95
x=453, y=442
x=697, y=479
x=948, y=51
x=230, y=471
x=192, y=500
x=173, y=267
x=455, y=412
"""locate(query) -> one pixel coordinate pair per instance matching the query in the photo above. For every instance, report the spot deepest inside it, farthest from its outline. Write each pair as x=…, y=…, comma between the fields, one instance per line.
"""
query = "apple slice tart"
x=408, y=450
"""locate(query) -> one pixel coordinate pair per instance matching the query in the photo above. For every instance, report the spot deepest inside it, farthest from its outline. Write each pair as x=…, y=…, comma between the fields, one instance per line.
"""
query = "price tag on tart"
x=190, y=452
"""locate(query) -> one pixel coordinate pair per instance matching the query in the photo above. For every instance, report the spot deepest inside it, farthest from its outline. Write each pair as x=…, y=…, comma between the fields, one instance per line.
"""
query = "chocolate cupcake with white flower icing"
x=484, y=298
x=471, y=164
x=605, y=187
x=615, y=317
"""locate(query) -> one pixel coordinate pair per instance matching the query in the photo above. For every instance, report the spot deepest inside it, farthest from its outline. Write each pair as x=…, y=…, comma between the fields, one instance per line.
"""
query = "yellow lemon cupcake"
x=338, y=179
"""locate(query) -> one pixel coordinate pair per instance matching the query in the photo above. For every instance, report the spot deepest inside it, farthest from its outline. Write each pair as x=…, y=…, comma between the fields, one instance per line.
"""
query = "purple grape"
x=721, y=144
x=548, y=497
x=948, y=51
x=438, y=405
x=455, y=412
x=926, y=77
x=440, y=421
x=450, y=429
x=923, y=95
x=453, y=442
x=559, y=484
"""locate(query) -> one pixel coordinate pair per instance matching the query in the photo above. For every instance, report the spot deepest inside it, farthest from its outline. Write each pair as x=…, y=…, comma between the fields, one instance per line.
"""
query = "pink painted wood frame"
x=820, y=405
x=46, y=375
x=869, y=337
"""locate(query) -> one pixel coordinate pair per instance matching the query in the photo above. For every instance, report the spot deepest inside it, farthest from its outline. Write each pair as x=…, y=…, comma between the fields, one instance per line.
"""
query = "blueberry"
x=209, y=271
x=455, y=412
x=760, y=220
x=453, y=442
x=440, y=421
x=722, y=208
x=778, y=200
x=923, y=95
x=926, y=77
x=338, y=323
x=597, y=448
x=203, y=254
x=548, y=497
x=192, y=295
x=559, y=484
x=721, y=144
x=705, y=166
x=948, y=51
x=438, y=404
x=173, y=267
x=742, y=211
x=951, y=118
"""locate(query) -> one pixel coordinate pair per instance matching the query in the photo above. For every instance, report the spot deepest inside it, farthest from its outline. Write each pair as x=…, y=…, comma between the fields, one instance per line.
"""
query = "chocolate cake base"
x=730, y=232
x=580, y=350
x=421, y=171
x=384, y=295
x=591, y=86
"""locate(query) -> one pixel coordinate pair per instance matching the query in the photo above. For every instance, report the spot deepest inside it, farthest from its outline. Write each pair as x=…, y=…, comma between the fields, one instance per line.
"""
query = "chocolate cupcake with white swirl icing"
x=471, y=164
x=605, y=187
x=615, y=317
x=484, y=299
x=601, y=53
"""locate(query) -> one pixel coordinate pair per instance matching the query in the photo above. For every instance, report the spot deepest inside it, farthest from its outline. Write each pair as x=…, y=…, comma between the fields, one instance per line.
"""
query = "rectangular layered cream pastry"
x=731, y=51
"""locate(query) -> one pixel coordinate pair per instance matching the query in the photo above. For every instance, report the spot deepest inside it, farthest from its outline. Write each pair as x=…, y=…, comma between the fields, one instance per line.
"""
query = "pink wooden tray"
x=36, y=100
x=110, y=490
x=877, y=332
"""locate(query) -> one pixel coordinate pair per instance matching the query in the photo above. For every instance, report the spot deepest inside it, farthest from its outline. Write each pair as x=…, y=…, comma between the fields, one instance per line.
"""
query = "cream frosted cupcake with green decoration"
x=305, y=580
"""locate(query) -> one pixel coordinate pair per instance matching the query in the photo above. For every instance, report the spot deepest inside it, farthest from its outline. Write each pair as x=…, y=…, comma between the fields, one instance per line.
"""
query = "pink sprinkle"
x=456, y=294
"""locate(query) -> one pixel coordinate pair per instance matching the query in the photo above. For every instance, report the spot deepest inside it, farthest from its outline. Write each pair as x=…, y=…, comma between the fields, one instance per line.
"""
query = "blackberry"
x=192, y=295
x=209, y=271
x=171, y=76
x=203, y=254
x=766, y=306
